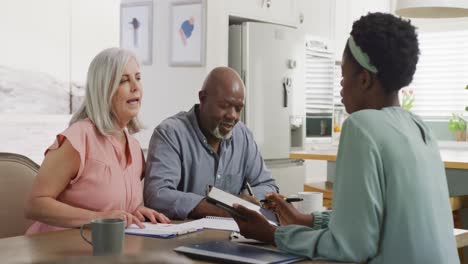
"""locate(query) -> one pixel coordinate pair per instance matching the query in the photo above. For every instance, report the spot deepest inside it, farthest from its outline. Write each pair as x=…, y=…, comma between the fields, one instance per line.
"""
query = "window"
x=318, y=84
x=441, y=75
x=44, y=64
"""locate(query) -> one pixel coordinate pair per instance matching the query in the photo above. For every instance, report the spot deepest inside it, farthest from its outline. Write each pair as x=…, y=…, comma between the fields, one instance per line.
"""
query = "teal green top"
x=390, y=197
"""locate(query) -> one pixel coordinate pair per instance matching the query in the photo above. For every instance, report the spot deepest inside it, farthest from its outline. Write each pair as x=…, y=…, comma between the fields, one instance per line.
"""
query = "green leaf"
x=456, y=123
x=462, y=125
x=452, y=127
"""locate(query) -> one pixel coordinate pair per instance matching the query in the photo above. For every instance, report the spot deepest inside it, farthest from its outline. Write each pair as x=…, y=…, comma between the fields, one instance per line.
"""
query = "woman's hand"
x=151, y=214
x=254, y=225
x=286, y=212
x=127, y=217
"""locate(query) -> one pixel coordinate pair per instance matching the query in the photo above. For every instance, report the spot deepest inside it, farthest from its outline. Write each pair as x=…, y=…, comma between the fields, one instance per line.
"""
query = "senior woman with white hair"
x=95, y=167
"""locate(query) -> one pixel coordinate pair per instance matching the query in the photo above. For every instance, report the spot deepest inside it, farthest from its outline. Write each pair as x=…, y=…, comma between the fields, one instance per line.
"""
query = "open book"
x=225, y=201
x=172, y=230
x=164, y=230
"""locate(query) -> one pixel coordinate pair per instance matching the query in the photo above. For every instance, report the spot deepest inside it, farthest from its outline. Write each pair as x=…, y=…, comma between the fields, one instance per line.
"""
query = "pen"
x=249, y=189
x=289, y=200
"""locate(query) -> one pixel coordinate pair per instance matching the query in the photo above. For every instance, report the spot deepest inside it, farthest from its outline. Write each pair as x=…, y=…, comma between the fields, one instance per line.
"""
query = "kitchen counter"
x=454, y=155
x=454, y=158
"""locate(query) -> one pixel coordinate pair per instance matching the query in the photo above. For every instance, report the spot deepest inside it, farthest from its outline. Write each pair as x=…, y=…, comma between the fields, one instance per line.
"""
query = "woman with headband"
x=391, y=201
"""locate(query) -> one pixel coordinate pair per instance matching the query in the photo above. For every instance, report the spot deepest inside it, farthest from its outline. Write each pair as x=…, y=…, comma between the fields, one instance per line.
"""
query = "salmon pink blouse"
x=102, y=183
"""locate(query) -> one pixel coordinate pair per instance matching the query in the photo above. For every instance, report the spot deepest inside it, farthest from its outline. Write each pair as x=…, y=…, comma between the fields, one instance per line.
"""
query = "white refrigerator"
x=266, y=56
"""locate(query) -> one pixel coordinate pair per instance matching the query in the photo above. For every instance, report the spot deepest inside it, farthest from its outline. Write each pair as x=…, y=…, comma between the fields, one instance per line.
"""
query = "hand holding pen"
x=286, y=212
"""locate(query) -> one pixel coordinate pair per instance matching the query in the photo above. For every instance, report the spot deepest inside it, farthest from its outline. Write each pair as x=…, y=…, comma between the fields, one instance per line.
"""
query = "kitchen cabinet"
x=348, y=11
x=282, y=12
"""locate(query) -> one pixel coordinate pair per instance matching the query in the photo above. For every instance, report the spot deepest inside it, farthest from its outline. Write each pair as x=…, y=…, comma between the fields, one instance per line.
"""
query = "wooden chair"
x=17, y=174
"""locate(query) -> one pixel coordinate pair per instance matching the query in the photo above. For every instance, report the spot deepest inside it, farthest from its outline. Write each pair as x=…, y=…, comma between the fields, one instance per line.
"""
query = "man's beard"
x=217, y=134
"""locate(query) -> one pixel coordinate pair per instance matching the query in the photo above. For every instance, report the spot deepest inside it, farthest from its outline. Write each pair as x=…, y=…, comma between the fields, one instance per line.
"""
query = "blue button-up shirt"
x=181, y=164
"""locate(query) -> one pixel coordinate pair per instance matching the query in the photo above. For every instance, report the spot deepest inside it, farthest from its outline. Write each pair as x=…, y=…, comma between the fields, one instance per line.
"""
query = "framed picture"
x=187, y=33
x=136, y=29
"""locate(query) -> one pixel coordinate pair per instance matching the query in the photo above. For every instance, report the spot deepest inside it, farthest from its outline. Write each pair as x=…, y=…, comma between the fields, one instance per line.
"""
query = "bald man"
x=204, y=146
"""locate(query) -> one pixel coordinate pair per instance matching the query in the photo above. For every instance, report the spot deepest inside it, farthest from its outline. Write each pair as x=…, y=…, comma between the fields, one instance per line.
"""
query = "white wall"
x=318, y=18
x=94, y=27
x=25, y=31
x=58, y=37
x=45, y=45
x=348, y=11
x=168, y=90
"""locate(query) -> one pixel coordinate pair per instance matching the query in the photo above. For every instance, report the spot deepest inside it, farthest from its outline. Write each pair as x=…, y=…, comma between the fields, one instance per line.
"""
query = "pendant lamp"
x=432, y=8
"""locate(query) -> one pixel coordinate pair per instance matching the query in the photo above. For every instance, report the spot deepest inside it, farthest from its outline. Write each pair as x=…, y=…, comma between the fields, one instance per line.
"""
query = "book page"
x=220, y=223
x=164, y=230
x=229, y=199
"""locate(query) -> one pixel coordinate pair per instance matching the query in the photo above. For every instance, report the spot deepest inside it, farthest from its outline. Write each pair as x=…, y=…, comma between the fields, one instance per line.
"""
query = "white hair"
x=104, y=74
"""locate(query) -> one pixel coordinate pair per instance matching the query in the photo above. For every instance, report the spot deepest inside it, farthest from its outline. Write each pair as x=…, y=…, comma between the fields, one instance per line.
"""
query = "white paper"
x=164, y=230
x=220, y=223
x=230, y=199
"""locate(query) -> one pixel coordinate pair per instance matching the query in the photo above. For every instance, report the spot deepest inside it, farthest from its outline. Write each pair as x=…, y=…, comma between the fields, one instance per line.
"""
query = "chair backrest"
x=17, y=174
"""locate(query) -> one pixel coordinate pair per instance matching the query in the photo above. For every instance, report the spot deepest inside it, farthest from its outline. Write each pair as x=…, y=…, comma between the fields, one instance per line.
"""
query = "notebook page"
x=229, y=199
x=163, y=230
x=220, y=223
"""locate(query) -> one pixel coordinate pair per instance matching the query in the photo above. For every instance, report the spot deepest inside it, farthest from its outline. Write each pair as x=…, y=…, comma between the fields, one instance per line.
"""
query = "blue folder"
x=230, y=252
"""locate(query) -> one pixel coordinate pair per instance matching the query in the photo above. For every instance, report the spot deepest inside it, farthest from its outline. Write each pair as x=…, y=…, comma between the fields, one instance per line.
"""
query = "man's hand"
x=286, y=212
x=255, y=226
x=205, y=208
x=249, y=198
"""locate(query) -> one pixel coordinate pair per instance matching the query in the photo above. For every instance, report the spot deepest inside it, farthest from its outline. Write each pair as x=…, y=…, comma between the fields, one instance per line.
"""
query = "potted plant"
x=458, y=125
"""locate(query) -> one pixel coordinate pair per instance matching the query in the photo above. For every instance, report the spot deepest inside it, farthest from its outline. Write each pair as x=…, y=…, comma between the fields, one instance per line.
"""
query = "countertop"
x=454, y=156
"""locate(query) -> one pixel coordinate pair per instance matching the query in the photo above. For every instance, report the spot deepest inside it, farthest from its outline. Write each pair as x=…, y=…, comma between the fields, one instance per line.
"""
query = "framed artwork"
x=136, y=29
x=187, y=33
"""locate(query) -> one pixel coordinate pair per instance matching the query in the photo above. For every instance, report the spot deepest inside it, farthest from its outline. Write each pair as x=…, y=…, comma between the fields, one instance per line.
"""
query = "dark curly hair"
x=392, y=46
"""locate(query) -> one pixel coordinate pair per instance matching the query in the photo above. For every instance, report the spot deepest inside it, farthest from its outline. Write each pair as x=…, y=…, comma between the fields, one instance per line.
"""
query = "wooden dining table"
x=67, y=246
